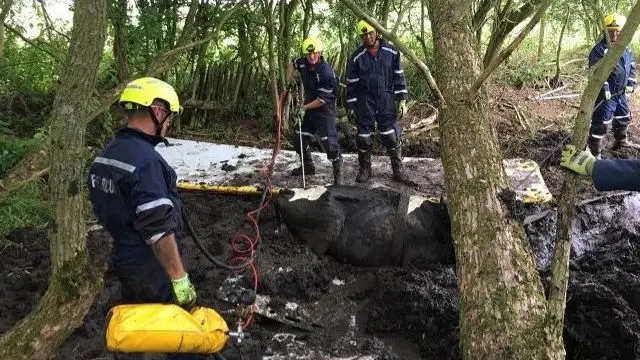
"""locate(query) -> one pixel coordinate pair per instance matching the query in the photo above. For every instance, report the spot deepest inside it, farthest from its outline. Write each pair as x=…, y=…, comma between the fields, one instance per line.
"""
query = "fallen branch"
x=24, y=173
x=522, y=120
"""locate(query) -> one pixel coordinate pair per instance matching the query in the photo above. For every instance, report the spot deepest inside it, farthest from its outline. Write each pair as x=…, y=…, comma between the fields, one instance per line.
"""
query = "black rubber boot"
x=364, y=169
x=396, y=165
x=337, y=171
x=309, y=168
x=621, y=139
x=595, y=146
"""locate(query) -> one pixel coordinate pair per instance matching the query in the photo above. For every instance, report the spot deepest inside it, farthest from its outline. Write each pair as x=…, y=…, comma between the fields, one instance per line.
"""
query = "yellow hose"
x=245, y=190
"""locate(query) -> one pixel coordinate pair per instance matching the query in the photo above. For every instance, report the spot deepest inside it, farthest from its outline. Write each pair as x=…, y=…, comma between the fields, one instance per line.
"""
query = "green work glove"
x=184, y=291
x=628, y=90
x=578, y=162
x=300, y=113
x=402, y=108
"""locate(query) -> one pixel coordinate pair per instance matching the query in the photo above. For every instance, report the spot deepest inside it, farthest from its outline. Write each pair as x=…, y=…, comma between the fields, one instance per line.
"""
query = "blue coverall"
x=373, y=85
x=320, y=82
x=134, y=196
x=616, y=109
x=616, y=174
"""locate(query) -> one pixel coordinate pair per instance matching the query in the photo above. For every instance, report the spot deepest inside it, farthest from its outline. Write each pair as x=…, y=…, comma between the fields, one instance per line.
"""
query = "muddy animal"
x=368, y=227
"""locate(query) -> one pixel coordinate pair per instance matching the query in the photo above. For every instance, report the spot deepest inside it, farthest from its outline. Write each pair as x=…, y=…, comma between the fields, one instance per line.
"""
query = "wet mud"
x=389, y=312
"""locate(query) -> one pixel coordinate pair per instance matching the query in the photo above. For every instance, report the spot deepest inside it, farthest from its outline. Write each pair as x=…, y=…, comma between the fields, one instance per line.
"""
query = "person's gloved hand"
x=351, y=115
x=628, y=90
x=402, y=108
x=578, y=162
x=300, y=113
x=184, y=291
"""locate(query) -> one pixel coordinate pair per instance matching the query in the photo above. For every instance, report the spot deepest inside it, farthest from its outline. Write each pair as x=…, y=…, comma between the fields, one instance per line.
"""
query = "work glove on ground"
x=579, y=162
x=185, y=292
x=402, y=108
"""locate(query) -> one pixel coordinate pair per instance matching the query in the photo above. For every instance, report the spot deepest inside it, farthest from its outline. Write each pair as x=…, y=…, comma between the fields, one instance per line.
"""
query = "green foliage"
x=25, y=208
x=101, y=129
x=13, y=150
x=523, y=67
x=26, y=89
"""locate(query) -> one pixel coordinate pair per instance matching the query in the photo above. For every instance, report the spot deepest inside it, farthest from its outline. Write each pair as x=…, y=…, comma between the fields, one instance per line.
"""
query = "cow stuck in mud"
x=368, y=227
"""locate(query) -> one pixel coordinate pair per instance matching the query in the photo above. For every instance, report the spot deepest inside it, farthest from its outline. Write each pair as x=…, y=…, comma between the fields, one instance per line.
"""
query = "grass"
x=13, y=149
x=25, y=208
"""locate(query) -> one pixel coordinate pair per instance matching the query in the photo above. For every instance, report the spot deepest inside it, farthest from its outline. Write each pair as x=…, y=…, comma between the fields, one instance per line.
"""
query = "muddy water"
x=377, y=313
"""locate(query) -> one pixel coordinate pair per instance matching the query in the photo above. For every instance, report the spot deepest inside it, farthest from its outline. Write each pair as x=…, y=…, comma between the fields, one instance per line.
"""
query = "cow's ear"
x=284, y=191
x=443, y=203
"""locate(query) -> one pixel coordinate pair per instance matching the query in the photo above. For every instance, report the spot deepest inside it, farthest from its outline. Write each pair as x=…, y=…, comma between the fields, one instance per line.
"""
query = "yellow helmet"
x=142, y=92
x=614, y=21
x=310, y=45
x=363, y=27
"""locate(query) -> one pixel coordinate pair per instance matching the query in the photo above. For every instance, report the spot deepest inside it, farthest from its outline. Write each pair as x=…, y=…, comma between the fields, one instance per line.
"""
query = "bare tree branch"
x=410, y=54
x=498, y=59
x=59, y=58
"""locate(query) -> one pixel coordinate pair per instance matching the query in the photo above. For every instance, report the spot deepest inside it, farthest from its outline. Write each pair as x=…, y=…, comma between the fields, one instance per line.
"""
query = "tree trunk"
x=570, y=187
x=307, y=18
x=4, y=11
x=384, y=13
x=543, y=26
x=502, y=304
x=556, y=78
x=74, y=282
x=118, y=16
x=271, y=56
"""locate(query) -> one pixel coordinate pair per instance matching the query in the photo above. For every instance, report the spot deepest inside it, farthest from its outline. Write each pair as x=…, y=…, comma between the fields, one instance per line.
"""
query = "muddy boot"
x=621, y=140
x=309, y=168
x=396, y=165
x=364, y=170
x=595, y=146
x=337, y=171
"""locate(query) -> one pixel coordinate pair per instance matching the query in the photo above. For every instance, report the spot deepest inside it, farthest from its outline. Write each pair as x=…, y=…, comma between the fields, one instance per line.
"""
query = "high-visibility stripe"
x=115, y=163
x=153, y=204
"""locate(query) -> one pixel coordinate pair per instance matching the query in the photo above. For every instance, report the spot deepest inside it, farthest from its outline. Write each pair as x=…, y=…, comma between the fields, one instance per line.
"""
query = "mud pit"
x=377, y=313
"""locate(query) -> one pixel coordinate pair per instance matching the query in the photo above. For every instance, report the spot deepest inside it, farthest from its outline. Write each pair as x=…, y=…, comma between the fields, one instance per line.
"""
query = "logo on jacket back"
x=103, y=184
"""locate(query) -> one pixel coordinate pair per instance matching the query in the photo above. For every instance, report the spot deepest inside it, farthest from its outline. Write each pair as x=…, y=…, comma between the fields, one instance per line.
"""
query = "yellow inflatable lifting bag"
x=165, y=328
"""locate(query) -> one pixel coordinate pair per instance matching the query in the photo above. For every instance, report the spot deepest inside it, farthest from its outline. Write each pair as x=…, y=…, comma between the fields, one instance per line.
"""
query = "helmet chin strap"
x=156, y=122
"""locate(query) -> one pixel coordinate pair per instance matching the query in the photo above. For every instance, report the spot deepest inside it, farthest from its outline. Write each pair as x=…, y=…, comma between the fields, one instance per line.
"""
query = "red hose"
x=244, y=247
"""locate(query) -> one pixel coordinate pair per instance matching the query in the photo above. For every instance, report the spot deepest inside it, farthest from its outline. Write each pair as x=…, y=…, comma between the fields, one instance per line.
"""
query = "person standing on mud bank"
x=375, y=82
x=607, y=175
x=134, y=196
x=612, y=103
x=319, y=109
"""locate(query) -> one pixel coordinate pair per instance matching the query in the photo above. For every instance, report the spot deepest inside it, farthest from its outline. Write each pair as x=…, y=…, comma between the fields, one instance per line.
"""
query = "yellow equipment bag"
x=165, y=328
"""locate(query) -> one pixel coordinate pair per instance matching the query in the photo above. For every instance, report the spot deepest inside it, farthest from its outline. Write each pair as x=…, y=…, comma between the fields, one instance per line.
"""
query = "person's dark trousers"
x=142, y=285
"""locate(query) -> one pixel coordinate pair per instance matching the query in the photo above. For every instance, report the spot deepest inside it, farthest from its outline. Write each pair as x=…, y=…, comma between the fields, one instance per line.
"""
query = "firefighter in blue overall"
x=321, y=91
x=612, y=104
x=375, y=82
x=134, y=196
x=607, y=175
